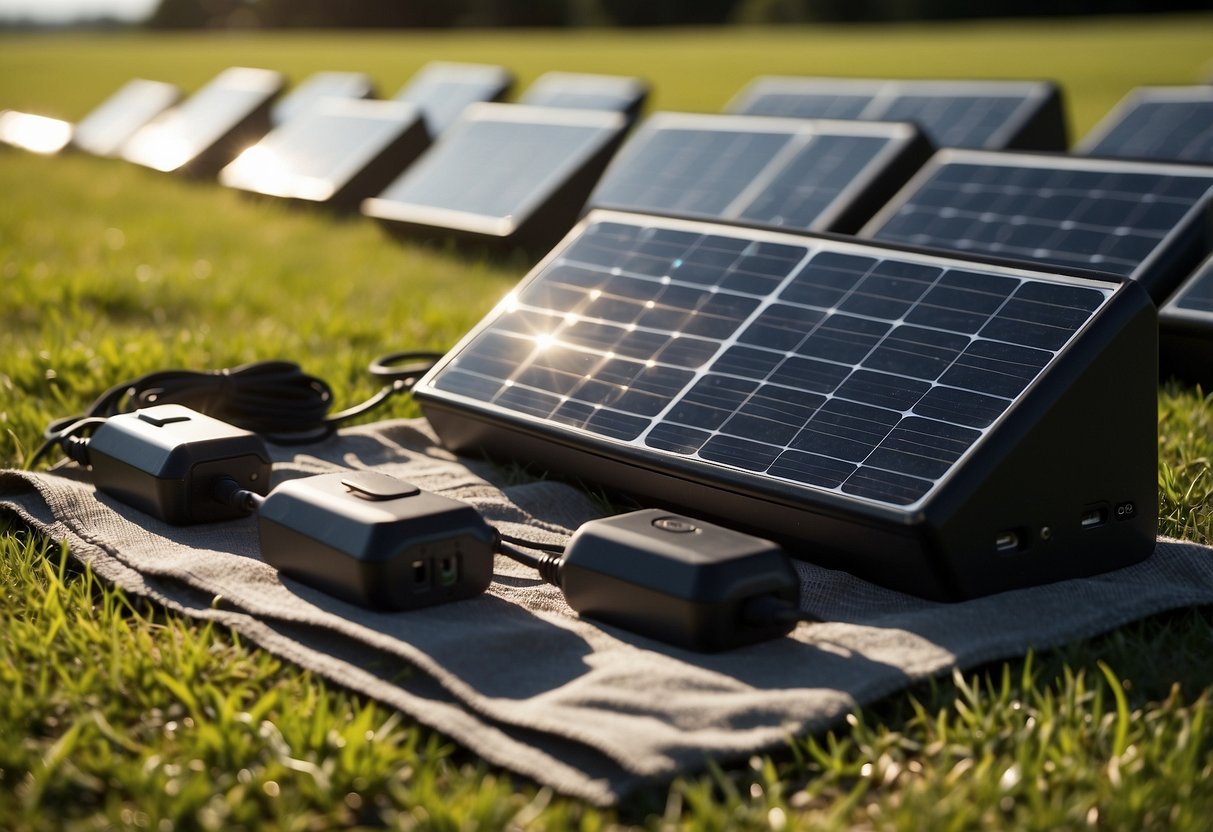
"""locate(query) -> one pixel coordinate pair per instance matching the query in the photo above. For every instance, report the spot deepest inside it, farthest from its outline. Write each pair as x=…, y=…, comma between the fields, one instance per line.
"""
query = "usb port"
x=421, y=574
x=1006, y=542
x=1093, y=517
x=448, y=571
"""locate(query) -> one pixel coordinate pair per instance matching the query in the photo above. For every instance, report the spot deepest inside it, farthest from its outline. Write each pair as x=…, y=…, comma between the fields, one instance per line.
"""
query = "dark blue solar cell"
x=616, y=425
x=883, y=390
x=964, y=407
x=740, y=453
x=995, y=368
x=711, y=401
x=812, y=469
x=916, y=352
x=923, y=447
x=961, y=301
x=807, y=105
x=827, y=279
x=678, y=439
x=781, y=326
x=747, y=362
x=846, y=430
x=889, y=290
x=886, y=486
x=843, y=338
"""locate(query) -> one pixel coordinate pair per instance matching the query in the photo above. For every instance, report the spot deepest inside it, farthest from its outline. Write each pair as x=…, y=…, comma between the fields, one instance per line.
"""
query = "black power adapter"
x=375, y=540
x=680, y=580
x=165, y=461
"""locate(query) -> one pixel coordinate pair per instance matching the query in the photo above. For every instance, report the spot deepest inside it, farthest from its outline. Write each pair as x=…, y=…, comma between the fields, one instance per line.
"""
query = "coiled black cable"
x=275, y=399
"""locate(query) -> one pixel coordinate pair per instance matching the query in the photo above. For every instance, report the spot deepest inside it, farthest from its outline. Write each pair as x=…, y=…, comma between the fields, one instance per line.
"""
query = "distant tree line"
x=278, y=14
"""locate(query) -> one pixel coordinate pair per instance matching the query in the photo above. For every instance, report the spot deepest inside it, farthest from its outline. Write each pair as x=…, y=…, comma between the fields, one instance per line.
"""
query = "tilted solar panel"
x=922, y=421
x=1146, y=221
x=108, y=126
x=585, y=91
x=338, y=152
x=990, y=115
x=442, y=90
x=207, y=130
x=1173, y=124
x=36, y=133
x=318, y=86
x=503, y=174
x=814, y=175
x=1186, y=329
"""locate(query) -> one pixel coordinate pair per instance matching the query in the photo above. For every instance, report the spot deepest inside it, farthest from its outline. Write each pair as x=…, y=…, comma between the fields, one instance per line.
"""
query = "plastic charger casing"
x=376, y=541
x=165, y=461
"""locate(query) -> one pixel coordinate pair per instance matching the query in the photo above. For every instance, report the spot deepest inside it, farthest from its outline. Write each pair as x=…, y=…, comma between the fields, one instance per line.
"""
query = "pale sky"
x=59, y=10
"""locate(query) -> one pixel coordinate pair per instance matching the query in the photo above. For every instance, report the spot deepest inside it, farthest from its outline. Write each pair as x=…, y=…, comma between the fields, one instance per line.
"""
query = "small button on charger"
x=372, y=485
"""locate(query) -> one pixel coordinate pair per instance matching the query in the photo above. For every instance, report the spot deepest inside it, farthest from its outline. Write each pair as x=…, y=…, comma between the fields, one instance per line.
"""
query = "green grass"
x=114, y=713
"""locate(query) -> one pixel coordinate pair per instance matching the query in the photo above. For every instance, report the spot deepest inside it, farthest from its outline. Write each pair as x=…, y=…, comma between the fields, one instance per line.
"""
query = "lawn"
x=116, y=714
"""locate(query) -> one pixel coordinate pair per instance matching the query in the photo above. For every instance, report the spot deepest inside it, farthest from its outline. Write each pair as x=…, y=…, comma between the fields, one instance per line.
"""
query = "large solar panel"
x=443, y=90
x=318, y=86
x=770, y=172
x=505, y=173
x=1146, y=221
x=1186, y=329
x=920, y=420
x=106, y=129
x=585, y=91
x=339, y=152
x=1172, y=124
x=207, y=130
x=990, y=115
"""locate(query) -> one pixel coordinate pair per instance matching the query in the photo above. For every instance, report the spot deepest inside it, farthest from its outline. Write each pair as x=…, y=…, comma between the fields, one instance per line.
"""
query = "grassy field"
x=115, y=714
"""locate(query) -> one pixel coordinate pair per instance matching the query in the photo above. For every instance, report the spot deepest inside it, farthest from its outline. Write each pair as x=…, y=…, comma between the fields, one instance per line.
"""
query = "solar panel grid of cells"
x=1164, y=123
x=863, y=375
x=1139, y=220
x=991, y=115
x=767, y=172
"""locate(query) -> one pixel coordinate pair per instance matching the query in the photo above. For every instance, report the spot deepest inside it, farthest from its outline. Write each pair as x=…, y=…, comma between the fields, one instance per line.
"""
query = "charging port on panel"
x=448, y=570
x=421, y=574
x=1093, y=517
x=1008, y=541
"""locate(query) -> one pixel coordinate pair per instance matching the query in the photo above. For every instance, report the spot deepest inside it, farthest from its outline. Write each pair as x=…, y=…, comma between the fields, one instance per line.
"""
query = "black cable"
x=546, y=563
x=531, y=544
x=275, y=399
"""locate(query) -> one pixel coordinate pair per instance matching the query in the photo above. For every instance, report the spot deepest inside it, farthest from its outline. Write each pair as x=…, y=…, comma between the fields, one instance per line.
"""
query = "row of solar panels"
x=950, y=425
x=522, y=173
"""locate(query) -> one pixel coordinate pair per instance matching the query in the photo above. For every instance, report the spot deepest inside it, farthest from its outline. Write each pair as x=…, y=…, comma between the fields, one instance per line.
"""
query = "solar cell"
x=206, y=131
x=1186, y=329
x=920, y=420
x=1146, y=221
x=578, y=90
x=990, y=115
x=106, y=128
x=1172, y=124
x=770, y=172
x=318, y=86
x=442, y=90
x=505, y=173
x=338, y=152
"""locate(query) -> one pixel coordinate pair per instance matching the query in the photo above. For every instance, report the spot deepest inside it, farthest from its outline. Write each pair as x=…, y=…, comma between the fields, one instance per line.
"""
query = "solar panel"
x=207, y=130
x=35, y=133
x=105, y=129
x=919, y=420
x=1172, y=124
x=1186, y=329
x=338, y=152
x=505, y=173
x=990, y=115
x=578, y=90
x=1146, y=221
x=318, y=86
x=769, y=172
x=442, y=90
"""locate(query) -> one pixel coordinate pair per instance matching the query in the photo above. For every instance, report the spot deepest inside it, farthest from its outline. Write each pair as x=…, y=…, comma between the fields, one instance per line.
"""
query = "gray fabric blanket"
x=519, y=679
